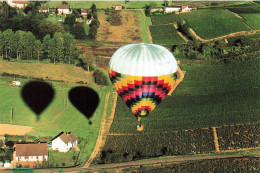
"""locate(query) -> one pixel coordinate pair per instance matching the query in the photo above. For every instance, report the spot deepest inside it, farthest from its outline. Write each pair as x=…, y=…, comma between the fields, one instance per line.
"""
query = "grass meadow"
x=210, y=95
x=60, y=115
x=252, y=19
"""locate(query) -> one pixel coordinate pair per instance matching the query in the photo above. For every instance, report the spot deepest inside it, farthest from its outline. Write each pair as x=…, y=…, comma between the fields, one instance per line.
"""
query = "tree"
x=8, y=36
x=64, y=3
x=1, y=44
x=88, y=59
x=69, y=43
x=38, y=48
x=79, y=31
x=70, y=20
x=93, y=8
x=59, y=46
x=46, y=45
x=107, y=11
x=76, y=12
x=149, y=7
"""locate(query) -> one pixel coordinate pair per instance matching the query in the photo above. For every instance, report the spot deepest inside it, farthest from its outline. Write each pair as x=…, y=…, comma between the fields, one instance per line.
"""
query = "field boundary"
x=215, y=139
x=235, y=34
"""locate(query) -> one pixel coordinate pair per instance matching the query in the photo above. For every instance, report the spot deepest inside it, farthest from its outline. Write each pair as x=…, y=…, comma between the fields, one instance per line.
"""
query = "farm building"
x=84, y=12
x=31, y=152
x=43, y=9
x=18, y=4
x=117, y=7
x=64, y=142
x=63, y=9
x=171, y=9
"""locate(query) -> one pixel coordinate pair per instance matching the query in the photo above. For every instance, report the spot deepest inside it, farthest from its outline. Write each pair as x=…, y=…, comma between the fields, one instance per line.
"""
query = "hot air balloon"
x=142, y=75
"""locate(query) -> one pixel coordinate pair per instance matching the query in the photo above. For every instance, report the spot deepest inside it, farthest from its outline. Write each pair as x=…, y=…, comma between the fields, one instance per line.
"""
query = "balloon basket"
x=140, y=127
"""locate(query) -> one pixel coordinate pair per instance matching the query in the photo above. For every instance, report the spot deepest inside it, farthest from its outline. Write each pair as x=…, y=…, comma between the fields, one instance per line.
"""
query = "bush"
x=100, y=78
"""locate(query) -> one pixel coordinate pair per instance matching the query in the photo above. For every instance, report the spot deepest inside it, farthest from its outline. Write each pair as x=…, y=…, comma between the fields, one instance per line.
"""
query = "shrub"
x=100, y=78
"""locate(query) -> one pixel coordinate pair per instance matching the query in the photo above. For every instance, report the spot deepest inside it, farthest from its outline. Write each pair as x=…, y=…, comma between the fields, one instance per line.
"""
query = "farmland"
x=210, y=95
x=205, y=21
x=60, y=114
x=252, y=19
x=165, y=35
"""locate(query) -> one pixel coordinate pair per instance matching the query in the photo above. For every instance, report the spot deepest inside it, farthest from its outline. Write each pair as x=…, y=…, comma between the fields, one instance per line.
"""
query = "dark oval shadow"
x=37, y=95
x=85, y=100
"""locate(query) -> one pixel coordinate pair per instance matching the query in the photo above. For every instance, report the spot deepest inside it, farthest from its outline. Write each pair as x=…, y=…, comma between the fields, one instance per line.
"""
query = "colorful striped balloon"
x=142, y=74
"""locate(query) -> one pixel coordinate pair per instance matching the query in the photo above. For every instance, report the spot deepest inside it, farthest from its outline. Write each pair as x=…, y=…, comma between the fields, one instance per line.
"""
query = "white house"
x=184, y=8
x=31, y=152
x=171, y=9
x=18, y=4
x=117, y=7
x=64, y=141
x=63, y=9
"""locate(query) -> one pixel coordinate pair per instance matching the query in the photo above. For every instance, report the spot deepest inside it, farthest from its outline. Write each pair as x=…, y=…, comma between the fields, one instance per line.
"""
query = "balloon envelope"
x=142, y=74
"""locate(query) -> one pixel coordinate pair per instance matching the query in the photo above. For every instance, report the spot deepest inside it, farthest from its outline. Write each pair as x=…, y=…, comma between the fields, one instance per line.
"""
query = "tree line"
x=22, y=45
x=239, y=50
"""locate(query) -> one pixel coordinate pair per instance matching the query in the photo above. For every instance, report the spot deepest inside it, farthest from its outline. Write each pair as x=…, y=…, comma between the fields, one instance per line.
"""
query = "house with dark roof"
x=31, y=152
x=43, y=9
x=64, y=142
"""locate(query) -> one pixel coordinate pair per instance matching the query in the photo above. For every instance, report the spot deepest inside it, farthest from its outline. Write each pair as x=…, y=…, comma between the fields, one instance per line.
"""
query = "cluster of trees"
x=236, y=51
x=94, y=24
x=28, y=19
x=6, y=154
x=22, y=45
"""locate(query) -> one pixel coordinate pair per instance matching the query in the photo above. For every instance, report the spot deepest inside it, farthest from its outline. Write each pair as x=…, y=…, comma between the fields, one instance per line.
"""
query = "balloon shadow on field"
x=85, y=100
x=37, y=95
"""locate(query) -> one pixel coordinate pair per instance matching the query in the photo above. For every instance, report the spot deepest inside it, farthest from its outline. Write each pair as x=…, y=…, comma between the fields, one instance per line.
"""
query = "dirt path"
x=100, y=134
x=14, y=129
x=215, y=138
x=147, y=162
x=235, y=34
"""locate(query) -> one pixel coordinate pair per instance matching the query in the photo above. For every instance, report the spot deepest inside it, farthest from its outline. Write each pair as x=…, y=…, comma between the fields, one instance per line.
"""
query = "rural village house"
x=31, y=152
x=64, y=141
x=43, y=9
x=18, y=4
x=84, y=12
x=171, y=9
x=63, y=9
x=117, y=7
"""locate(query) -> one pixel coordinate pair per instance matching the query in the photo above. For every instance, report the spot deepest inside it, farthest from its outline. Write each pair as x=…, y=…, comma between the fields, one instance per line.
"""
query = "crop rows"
x=132, y=147
x=165, y=34
x=206, y=23
x=239, y=136
x=245, y=164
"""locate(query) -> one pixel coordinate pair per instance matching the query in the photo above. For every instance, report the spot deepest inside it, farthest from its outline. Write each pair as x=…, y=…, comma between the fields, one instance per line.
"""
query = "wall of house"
x=31, y=158
x=170, y=10
x=64, y=11
x=58, y=144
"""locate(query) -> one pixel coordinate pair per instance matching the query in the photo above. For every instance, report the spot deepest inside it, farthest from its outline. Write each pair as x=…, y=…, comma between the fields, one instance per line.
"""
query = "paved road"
x=135, y=163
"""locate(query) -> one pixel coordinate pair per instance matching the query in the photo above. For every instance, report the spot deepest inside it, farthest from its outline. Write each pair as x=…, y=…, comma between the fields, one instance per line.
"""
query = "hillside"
x=66, y=73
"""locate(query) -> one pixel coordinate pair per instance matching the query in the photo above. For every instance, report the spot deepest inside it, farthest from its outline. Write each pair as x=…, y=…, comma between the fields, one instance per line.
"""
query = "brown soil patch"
x=14, y=129
x=127, y=31
x=64, y=73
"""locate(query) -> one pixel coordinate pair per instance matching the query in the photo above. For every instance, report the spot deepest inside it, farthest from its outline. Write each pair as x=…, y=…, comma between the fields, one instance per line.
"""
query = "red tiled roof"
x=31, y=149
x=83, y=10
x=19, y=2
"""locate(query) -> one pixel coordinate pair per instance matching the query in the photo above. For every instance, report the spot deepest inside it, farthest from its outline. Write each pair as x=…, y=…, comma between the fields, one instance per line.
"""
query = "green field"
x=252, y=19
x=143, y=26
x=210, y=95
x=165, y=35
x=105, y=4
x=57, y=117
x=207, y=23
